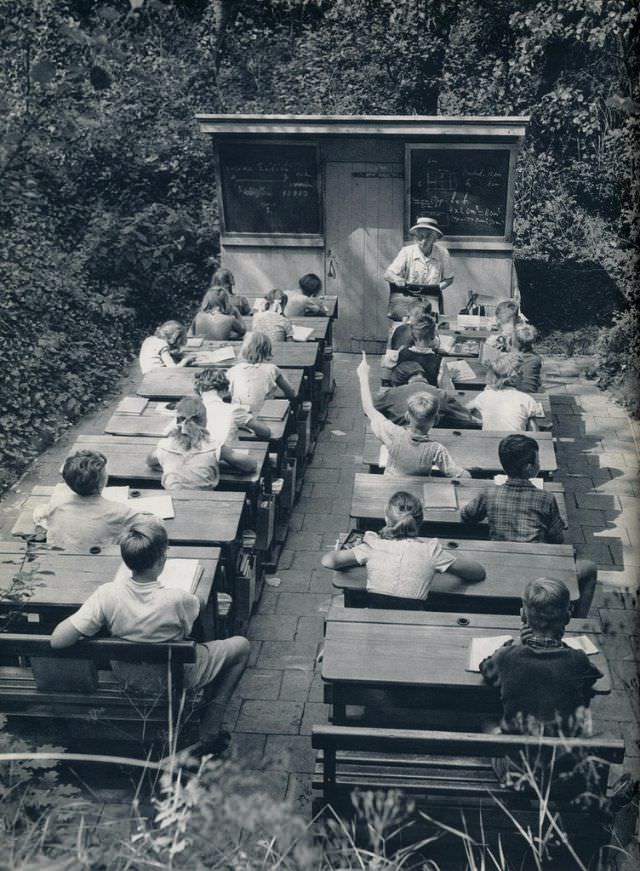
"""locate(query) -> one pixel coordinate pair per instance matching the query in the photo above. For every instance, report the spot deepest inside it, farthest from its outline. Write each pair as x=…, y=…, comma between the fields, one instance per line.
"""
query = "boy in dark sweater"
x=544, y=685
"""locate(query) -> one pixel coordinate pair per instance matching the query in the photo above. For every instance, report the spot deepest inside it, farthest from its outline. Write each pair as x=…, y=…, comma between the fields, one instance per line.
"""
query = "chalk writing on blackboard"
x=464, y=189
x=270, y=188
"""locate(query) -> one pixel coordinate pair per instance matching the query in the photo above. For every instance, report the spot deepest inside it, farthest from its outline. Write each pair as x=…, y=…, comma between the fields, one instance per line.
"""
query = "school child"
x=188, y=457
x=420, y=355
x=138, y=608
x=501, y=405
x=401, y=335
x=507, y=316
x=519, y=511
x=393, y=403
x=224, y=418
x=81, y=517
x=401, y=566
x=545, y=686
x=224, y=278
x=271, y=319
x=161, y=349
x=216, y=320
x=302, y=302
x=255, y=378
x=411, y=451
x=529, y=363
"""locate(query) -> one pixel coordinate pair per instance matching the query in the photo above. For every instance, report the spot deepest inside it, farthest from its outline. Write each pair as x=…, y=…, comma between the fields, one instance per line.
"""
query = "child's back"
x=507, y=409
x=252, y=383
x=530, y=365
x=195, y=468
x=77, y=516
x=214, y=326
x=273, y=324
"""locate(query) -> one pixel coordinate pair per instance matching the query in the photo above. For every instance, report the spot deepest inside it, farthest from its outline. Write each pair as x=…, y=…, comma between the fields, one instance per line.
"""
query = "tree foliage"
x=108, y=211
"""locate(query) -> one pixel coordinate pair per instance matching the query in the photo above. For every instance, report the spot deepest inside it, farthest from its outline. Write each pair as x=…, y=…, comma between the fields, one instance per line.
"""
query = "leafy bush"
x=618, y=360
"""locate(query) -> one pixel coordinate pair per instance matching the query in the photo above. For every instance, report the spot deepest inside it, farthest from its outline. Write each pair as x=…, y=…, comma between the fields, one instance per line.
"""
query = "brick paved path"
x=280, y=696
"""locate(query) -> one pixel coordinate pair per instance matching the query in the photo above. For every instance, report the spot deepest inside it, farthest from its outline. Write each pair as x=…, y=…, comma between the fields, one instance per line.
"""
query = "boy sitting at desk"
x=545, y=686
x=411, y=451
x=138, y=608
x=393, y=402
x=519, y=511
x=81, y=517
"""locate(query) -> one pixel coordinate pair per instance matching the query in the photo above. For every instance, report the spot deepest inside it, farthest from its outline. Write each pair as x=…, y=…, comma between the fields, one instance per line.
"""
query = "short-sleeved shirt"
x=541, y=686
x=299, y=305
x=530, y=365
x=414, y=267
x=412, y=454
x=80, y=522
x=150, y=354
x=252, y=383
x=508, y=410
x=401, y=567
x=194, y=469
x=214, y=327
x=138, y=611
x=224, y=418
x=275, y=325
x=517, y=511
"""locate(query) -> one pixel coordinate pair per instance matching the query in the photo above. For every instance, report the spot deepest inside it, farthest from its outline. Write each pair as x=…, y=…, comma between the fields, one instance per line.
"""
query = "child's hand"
x=526, y=633
x=187, y=361
x=363, y=367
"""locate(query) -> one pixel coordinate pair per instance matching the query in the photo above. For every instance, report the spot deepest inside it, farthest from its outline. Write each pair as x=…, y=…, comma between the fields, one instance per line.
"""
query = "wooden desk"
x=155, y=420
x=479, y=381
x=203, y=517
x=168, y=385
x=286, y=355
x=424, y=653
x=321, y=327
x=509, y=566
x=127, y=464
x=471, y=448
x=372, y=492
x=64, y=580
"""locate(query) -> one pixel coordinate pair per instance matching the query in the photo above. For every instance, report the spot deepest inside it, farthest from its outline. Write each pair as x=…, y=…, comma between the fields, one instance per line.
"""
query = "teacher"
x=421, y=270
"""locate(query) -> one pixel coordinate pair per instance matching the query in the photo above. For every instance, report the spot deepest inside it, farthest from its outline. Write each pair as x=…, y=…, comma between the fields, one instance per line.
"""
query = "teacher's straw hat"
x=426, y=224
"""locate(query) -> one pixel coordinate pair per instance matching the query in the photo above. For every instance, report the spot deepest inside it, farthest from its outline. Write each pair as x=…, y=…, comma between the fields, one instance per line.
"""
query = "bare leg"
x=587, y=572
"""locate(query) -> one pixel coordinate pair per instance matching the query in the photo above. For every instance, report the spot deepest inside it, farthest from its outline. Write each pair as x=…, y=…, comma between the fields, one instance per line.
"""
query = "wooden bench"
x=76, y=684
x=450, y=779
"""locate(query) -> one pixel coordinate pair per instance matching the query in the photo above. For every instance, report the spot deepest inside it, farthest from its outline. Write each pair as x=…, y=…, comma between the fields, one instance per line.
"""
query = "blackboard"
x=465, y=189
x=270, y=188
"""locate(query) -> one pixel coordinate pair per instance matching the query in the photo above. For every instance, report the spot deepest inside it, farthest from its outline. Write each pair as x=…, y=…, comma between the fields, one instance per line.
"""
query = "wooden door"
x=364, y=205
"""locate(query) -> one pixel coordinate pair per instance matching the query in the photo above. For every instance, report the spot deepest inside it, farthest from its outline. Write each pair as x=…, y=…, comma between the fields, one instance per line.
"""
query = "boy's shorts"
x=148, y=679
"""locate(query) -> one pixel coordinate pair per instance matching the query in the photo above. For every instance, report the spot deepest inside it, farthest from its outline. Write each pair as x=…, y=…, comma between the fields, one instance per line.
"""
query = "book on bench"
x=161, y=505
x=300, y=333
x=219, y=355
x=439, y=495
x=132, y=405
x=481, y=648
x=181, y=574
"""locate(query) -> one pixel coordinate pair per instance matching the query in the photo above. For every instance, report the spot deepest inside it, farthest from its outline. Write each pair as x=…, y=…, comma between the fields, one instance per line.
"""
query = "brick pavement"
x=280, y=695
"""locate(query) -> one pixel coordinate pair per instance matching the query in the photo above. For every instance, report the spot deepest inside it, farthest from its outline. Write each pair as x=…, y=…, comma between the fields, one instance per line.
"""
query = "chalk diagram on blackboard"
x=270, y=188
x=464, y=189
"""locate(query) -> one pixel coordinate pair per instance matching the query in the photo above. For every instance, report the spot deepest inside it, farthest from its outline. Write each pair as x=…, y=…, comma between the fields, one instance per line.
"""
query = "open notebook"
x=220, y=355
x=161, y=505
x=182, y=574
x=301, y=334
x=461, y=371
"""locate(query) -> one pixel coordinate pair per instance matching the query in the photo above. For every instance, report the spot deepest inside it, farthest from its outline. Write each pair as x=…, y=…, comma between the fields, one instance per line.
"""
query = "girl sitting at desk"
x=399, y=564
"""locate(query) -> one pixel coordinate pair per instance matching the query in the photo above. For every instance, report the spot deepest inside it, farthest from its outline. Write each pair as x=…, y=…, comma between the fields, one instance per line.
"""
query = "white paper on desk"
x=132, y=405
x=499, y=480
x=182, y=574
x=581, y=642
x=438, y=495
x=447, y=344
x=161, y=506
x=220, y=355
x=480, y=648
x=116, y=494
x=461, y=371
x=301, y=334
x=194, y=342
x=383, y=457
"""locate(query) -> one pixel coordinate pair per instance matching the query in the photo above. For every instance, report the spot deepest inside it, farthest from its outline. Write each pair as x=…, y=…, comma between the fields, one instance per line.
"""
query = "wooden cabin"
x=336, y=195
